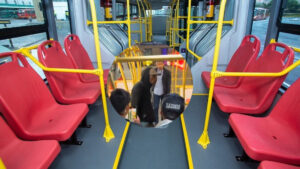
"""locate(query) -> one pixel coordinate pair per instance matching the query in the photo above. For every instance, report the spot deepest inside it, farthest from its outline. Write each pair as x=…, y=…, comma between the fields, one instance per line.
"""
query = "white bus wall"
x=86, y=36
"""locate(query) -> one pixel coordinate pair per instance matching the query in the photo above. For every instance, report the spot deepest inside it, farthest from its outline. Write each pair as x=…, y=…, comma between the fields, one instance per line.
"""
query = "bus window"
x=291, y=40
x=289, y=20
x=291, y=12
x=61, y=13
x=261, y=20
x=22, y=13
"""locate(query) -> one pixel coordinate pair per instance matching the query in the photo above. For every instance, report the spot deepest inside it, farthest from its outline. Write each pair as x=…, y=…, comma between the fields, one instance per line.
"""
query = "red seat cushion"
x=254, y=95
x=275, y=137
x=241, y=59
x=275, y=165
x=18, y=154
x=80, y=59
x=67, y=88
x=29, y=107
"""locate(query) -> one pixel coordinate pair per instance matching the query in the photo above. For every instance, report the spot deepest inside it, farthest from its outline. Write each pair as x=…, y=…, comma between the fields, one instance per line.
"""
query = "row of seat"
x=32, y=112
x=275, y=137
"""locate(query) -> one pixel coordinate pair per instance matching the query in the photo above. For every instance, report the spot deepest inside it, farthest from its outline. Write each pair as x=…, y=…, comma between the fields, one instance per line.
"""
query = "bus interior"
x=232, y=64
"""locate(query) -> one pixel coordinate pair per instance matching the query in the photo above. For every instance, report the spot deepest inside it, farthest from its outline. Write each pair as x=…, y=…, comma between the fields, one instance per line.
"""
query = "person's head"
x=172, y=106
x=120, y=101
x=160, y=65
x=152, y=76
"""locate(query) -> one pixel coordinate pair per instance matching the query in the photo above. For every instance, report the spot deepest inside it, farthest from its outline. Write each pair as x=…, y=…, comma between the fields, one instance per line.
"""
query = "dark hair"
x=120, y=98
x=172, y=106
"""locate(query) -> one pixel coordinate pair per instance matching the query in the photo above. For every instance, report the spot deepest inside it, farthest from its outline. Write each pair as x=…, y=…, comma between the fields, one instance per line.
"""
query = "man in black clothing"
x=141, y=95
x=162, y=87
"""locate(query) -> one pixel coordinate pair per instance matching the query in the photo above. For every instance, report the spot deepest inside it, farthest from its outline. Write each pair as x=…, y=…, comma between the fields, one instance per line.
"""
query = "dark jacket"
x=166, y=80
x=141, y=98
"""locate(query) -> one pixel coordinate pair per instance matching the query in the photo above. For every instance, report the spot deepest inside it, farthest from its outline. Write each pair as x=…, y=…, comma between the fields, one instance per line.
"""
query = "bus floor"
x=94, y=153
x=221, y=152
x=150, y=148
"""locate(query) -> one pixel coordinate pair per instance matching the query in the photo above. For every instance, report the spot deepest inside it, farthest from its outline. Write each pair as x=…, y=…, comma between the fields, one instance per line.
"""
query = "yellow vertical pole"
x=150, y=20
x=145, y=20
x=128, y=21
x=176, y=74
x=204, y=139
x=108, y=133
x=177, y=22
x=184, y=78
x=123, y=75
x=2, y=166
x=140, y=21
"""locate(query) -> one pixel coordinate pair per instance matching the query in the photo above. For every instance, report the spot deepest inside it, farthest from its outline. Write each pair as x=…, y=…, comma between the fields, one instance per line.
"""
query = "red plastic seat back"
x=244, y=55
x=287, y=109
x=6, y=134
x=22, y=91
x=271, y=60
x=53, y=56
x=78, y=55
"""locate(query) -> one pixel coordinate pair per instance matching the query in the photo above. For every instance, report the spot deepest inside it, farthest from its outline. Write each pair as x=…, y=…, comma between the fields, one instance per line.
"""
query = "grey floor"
x=149, y=148
x=94, y=153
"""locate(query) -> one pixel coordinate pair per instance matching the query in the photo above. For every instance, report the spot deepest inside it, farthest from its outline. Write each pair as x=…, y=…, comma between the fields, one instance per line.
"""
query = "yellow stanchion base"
x=2, y=166
x=204, y=140
x=108, y=134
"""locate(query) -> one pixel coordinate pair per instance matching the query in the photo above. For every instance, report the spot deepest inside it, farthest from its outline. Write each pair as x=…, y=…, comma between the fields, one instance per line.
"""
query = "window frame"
x=14, y=32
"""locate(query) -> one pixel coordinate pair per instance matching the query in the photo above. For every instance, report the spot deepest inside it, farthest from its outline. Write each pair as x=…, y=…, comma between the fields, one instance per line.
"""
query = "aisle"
x=150, y=148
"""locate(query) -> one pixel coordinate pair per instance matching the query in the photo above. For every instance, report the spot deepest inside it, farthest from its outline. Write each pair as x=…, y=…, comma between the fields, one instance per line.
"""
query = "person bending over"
x=141, y=96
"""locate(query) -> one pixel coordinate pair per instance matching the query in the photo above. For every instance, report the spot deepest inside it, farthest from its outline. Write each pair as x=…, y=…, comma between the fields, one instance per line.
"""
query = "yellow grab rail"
x=119, y=153
x=2, y=166
x=257, y=74
x=204, y=138
x=294, y=48
x=189, y=22
x=149, y=58
x=108, y=133
x=188, y=32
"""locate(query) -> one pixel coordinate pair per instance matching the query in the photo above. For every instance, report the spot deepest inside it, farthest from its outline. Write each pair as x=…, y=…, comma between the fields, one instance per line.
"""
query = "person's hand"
x=137, y=120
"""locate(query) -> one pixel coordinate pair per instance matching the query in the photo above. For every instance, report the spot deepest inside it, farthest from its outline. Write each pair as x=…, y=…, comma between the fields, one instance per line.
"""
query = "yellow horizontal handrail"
x=294, y=48
x=26, y=52
x=257, y=74
x=107, y=22
x=210, y=22
x=148, y=58
x=185, y=17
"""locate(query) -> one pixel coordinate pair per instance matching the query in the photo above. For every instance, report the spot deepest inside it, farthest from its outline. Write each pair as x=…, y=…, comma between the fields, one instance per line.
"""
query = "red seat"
x=275, y=165
x=81, y=59
x=254, y=95
x=28, y=106
x=275, y=137
x=67, y=88
x=243, y=56
x=18, y=154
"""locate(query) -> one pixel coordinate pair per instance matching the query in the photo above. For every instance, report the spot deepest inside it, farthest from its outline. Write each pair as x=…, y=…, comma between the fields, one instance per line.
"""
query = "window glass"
x=291, y=12
x=25, y=41
x=61, y=13
x=261, y=20
x=291, y=40
x=163, y=11
x=20, y=13
x=120, y=9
